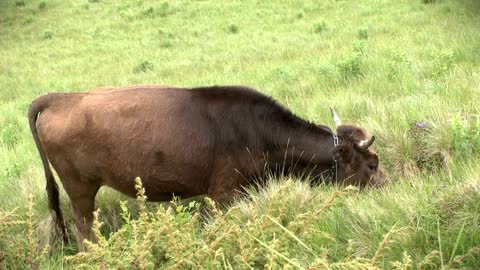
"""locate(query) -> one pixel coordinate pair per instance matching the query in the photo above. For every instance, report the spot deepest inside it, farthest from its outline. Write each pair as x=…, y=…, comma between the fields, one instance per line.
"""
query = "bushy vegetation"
x=408, y=71
x=286, y=225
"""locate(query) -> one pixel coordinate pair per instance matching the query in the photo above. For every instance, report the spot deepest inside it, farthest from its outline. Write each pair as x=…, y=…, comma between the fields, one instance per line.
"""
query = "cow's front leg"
x=225, y=186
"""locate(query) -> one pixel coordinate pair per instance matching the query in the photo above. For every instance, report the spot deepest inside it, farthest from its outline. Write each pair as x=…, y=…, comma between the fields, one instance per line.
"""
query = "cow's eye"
x=372, y=167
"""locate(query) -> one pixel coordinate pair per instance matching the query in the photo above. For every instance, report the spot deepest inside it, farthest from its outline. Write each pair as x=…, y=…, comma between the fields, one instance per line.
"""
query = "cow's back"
x=112, y=136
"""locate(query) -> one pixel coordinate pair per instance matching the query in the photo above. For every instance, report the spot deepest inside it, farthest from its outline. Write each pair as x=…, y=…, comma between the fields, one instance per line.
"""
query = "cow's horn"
x=336, y=119
x=364, y=144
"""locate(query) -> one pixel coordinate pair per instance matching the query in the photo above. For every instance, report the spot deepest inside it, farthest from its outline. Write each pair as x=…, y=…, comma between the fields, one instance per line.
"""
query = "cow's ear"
x=343, y=153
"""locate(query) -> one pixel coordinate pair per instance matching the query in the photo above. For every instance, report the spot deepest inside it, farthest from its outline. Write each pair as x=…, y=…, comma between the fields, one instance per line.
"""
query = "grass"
x=408, y=71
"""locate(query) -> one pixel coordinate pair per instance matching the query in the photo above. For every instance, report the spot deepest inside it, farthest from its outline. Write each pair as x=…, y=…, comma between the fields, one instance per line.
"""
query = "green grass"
x=384, y=65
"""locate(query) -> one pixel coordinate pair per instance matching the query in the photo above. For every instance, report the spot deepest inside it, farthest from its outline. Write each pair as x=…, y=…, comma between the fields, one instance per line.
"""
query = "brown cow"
x=186, y=142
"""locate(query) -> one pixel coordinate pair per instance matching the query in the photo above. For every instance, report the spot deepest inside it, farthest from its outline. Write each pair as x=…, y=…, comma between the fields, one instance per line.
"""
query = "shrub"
x=177, y=237
x=167, y=38
x=465, y=133
x=326, y=70
x=362, y=33
x=443, y=63
x=398, y=65
x=166, y=44
x=320, y=26
x=359, y=47
x=143, y=66
x=42, y=5
x=166, y=33
x=148, y=12
x=274, y=228
x=233, y=28
x=446, y=9
x=20, y=3
x=425, y=155
x=286, y=74
x=28, y=20
x=351, y=67
x=164, y=9
x=48, y=35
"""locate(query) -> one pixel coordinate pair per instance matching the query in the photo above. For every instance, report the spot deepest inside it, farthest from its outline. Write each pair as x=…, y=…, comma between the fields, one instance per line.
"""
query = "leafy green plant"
x=184, y=213
x=465, y=135
x=12, y=170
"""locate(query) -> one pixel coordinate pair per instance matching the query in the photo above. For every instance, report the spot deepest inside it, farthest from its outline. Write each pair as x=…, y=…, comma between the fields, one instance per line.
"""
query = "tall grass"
x=288, y=224
x=408, y=71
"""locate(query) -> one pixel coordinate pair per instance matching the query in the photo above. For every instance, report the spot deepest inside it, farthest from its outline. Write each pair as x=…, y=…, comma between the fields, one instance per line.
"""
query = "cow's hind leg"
x=82, y=202
x=82, y=211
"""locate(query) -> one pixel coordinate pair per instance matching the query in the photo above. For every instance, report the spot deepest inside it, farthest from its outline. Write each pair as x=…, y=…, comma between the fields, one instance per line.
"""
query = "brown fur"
x=186, y=142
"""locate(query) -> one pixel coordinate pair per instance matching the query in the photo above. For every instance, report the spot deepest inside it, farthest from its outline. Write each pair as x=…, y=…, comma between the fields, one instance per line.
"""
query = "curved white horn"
x=364, y=144
x=336, y=119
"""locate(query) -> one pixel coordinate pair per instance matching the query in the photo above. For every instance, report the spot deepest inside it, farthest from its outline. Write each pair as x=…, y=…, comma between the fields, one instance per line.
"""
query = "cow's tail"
x=35, y=109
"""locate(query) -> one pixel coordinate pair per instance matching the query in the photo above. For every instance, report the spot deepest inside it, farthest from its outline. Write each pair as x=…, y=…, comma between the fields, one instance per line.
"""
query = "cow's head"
x=357, y=164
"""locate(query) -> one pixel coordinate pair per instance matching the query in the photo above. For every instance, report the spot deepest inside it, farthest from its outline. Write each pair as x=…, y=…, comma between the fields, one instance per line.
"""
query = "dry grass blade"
x=334, y=197
x=7, y=215
x=291, y=234
x=405, y=264
x=277, y=253
x=429, y=260
x=30, y=238
x=474, y=252
x=388, y=239
x=458, y=240
x=354, y=265
x=141, y=198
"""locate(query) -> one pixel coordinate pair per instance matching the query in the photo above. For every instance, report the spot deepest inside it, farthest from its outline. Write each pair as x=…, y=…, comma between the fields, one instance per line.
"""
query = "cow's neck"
x=303, y=151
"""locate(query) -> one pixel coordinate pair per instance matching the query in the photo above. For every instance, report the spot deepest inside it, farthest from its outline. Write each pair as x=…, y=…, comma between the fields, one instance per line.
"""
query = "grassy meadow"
x=408, y=71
